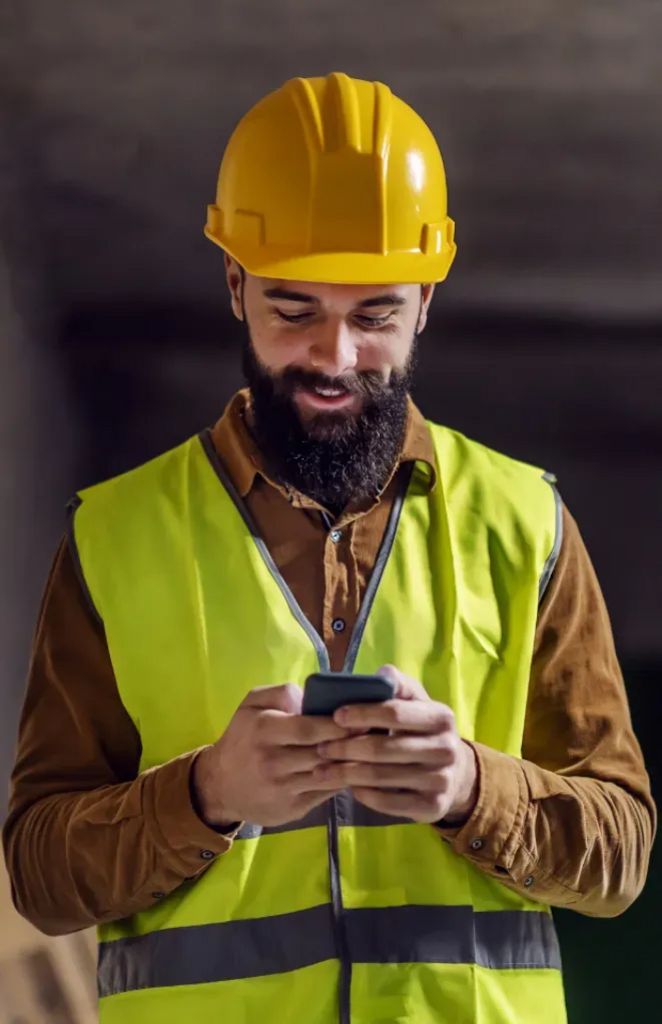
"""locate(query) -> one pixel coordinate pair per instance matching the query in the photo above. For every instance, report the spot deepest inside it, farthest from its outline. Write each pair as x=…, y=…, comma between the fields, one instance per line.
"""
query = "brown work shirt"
x=89, y=840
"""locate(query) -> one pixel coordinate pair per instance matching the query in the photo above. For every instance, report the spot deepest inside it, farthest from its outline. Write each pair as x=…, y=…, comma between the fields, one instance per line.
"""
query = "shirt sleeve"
x=571, y=824
x=88, y=839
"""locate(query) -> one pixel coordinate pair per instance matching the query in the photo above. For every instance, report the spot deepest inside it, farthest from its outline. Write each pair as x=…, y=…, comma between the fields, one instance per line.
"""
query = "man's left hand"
x=421, y=770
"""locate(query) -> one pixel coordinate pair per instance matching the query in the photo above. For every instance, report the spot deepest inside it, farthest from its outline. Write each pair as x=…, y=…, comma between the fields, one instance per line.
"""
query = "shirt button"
x=528, y=881
x=158, y=895
x=207, y=854
x=477, y=844
x=336, y=535
x=338, y=625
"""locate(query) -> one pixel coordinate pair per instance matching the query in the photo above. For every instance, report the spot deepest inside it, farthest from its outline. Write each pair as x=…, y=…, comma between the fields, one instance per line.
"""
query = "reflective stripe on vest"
x=288, y=942
x=346, y=914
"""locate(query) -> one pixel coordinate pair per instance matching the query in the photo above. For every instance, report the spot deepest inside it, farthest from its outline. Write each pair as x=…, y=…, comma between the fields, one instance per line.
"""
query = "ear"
x=427, y=291
x=235, y=281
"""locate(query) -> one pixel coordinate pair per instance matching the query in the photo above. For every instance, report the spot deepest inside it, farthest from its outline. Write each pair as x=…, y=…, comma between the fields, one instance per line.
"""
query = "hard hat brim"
x=347, y=267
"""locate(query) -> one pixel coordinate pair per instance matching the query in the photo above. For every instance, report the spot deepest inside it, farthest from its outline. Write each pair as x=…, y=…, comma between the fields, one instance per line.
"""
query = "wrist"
x=205, y=798
x=466, y=796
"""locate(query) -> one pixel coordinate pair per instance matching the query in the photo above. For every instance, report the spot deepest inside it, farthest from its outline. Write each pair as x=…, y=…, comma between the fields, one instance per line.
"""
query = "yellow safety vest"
x=346, y=916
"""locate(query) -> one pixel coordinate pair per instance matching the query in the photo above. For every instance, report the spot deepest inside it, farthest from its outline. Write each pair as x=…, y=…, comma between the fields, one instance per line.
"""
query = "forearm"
x=79, y=859
x=576, y=842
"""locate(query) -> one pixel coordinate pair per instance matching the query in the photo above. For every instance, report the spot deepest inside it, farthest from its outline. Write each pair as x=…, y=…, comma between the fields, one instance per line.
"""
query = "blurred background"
x=116, y=340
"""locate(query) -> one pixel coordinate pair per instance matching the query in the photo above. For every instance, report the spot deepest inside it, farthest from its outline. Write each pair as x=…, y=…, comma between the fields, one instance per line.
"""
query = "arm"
x=572, y=823
x=87, y=839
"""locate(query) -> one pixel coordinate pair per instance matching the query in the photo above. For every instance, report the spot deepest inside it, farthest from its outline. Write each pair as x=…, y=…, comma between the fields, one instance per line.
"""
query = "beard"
x=332, y=457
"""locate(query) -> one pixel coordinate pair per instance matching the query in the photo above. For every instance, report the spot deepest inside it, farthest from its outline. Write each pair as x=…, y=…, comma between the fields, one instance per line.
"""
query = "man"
x=245, y=862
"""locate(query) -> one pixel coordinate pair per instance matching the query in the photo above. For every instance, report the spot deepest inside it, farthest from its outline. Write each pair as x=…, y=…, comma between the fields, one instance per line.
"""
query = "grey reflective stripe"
x=378, y=571
x=276, y=945
x=453, y=935
x=348, y=810
x=550, y=564
x=217, y=952
x=351, y=812
x=219, y=469
x=319, y=816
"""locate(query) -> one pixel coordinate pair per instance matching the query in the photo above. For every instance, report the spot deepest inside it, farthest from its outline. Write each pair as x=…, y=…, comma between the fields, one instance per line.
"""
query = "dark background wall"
x=115, y=340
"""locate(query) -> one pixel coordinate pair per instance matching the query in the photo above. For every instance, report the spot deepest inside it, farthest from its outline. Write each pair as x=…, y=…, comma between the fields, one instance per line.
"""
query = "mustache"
x=368, y=384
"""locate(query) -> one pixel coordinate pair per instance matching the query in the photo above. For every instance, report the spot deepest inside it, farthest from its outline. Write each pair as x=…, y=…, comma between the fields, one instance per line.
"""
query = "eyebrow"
x=383, y=300
x=285, y=295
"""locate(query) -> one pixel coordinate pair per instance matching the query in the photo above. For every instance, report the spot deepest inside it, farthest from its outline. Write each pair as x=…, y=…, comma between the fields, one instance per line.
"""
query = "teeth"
x=329, y=393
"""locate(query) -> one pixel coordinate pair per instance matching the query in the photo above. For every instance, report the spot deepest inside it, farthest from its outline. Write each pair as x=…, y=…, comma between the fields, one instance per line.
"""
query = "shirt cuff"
x=188, y=843
x=489, y=837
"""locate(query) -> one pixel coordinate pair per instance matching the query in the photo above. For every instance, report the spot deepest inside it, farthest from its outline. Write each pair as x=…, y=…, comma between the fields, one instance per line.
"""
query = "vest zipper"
x=339, y=916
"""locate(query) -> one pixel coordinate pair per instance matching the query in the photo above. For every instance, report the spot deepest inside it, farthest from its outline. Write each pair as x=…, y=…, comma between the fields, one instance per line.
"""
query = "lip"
x=319, y=403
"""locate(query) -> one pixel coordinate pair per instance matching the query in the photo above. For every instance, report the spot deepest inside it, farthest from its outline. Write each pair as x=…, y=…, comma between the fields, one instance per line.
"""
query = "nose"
x=333, y=351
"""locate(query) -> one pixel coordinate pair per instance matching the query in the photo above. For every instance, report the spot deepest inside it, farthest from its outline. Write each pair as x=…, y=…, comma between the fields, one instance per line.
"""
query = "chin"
x=329, y=426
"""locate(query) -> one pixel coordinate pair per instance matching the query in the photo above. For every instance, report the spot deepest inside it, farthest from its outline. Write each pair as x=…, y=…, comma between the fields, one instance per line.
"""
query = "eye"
x=294, y=318
x=372, y=321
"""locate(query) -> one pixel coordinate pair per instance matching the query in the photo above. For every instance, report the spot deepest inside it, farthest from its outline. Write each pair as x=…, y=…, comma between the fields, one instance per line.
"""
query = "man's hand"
x=422, y=770
x=262, y=769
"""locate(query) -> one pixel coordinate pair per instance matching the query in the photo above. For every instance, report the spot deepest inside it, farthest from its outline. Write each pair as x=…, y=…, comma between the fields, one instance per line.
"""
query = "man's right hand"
x=262, y=769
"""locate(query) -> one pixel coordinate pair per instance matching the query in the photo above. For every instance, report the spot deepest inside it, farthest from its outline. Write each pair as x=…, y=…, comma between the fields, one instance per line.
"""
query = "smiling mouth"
x=330, y=392
x=319, y=398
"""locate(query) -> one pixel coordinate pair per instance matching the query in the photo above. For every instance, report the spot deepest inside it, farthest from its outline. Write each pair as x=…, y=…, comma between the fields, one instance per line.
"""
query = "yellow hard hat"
x=334, y=179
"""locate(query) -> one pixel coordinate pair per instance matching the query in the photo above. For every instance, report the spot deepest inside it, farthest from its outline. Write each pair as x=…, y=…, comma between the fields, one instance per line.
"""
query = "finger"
x=287, y=697
x=312, y=782
x=307, y=801
x=399, y=805
x=401, y=748
x=299, y=730
x=406, y=687
x=401, y=715
x=419, y=778
x=286, y=761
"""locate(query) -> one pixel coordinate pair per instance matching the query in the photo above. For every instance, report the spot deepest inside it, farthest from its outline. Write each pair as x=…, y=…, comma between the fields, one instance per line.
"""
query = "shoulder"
x=461, y=456
x=142, y=477
x=513, y=500
x=130, y=510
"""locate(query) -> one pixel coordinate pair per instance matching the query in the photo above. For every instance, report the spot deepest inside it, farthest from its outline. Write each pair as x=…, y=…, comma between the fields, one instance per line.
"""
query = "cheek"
x=272, y=347
x=385, y=352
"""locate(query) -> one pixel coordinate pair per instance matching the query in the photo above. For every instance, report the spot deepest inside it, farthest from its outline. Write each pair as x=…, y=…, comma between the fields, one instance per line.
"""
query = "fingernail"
x=341, y=715
x=323, y=749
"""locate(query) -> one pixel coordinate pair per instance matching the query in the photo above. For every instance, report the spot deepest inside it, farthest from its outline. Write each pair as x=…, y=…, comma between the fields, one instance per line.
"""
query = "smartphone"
x=325, y=692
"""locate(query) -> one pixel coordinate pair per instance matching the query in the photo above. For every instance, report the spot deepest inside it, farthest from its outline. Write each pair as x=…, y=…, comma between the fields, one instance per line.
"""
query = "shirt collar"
x=234, y=443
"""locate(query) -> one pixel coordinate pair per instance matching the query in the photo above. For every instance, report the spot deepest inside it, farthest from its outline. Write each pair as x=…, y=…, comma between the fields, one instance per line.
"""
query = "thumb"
x=406, y=687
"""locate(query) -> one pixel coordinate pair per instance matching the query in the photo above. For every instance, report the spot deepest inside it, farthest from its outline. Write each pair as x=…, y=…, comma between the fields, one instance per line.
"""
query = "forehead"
x=337, y=295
